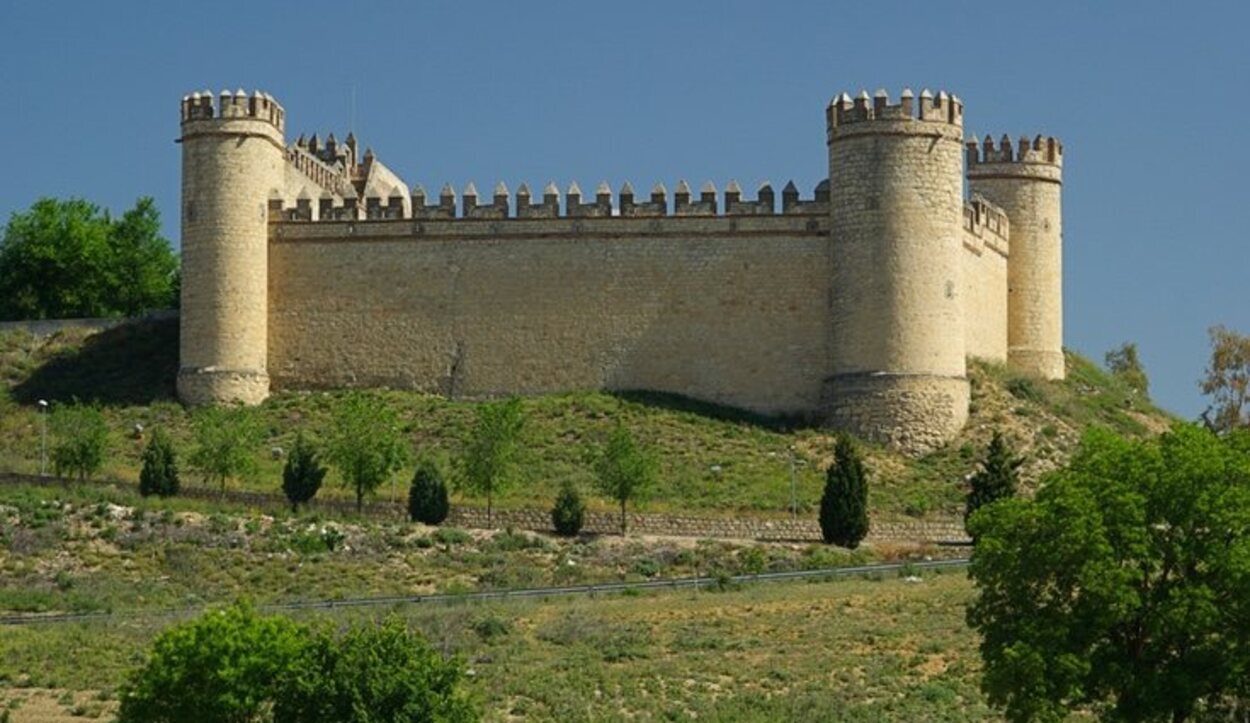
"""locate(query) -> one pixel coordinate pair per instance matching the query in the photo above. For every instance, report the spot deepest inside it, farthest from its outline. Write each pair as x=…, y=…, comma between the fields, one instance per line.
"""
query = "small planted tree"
x=626, y=471
x=303, y=473
x=844, y=504
x=226, y=439
x=995, y=480
x=490, y=460
x=159, y=475
x=80, y=440
x=367, y=446
x=428, y=501
x=569, y=512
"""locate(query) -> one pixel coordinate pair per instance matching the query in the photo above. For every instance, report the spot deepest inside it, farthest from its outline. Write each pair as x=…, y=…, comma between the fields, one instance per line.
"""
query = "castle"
x=310, y=266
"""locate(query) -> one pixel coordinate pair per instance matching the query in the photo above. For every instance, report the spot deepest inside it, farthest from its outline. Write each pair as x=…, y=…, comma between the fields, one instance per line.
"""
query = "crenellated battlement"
x=343, y=204
x=1042, y=149
x=856, y=302
x=226, y=105
x=942, y=108
x=987, y=224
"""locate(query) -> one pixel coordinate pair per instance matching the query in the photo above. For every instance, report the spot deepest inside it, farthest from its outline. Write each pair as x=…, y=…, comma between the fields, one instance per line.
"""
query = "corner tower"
x=897, y=368
x=232, y=160
x=1026, y=182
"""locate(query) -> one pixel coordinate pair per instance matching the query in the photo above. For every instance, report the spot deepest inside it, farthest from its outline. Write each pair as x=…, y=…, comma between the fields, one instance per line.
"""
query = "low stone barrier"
x=942, y=531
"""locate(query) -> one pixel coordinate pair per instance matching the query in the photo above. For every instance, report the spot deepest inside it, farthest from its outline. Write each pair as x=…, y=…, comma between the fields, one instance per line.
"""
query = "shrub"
x=302, y=474
x=427, y=497
x=81, y=440
x=844, y=505
x=159, y=475
x=374, y=673
x=1124, y=364
x=569, y=512
x=222, y=666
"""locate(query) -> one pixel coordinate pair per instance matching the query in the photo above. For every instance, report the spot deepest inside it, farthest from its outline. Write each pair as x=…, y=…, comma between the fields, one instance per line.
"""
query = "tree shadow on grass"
x=712, y=410
x=134, y=363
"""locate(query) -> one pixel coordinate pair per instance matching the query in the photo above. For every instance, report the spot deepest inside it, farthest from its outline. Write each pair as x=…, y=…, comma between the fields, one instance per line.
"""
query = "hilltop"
x=713, y=459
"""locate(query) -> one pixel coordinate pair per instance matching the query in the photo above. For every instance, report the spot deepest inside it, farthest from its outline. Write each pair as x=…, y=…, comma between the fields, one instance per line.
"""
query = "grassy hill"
x=714, y=460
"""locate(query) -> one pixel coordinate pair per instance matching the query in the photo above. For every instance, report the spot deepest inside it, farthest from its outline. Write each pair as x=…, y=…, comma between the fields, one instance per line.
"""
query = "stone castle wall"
x=305, y=267
x=728, y=310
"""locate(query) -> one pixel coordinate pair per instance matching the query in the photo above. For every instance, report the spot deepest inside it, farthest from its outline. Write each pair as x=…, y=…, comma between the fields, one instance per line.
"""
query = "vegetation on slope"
x=711, y=459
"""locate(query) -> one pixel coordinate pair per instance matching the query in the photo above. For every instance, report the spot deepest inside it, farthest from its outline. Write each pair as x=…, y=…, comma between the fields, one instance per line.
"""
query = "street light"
x=794, y=497
x=43, y=447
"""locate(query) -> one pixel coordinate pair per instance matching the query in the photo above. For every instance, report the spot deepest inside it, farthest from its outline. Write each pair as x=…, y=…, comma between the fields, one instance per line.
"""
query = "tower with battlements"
x=232, y=164
x=311, y=265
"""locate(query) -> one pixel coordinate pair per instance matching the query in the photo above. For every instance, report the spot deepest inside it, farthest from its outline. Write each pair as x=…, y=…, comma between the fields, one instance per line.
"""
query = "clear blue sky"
x=1150, y=100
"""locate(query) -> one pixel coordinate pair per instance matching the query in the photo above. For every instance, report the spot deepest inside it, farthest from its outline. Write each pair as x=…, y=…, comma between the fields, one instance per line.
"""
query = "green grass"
x=850, y=650
x=90, y=548
x=713, y=460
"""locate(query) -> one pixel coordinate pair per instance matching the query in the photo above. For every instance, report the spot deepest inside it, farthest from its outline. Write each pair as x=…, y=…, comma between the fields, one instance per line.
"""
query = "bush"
x=303, y=473
x=569, y=512
x=374, y=673
x=427, y=497
x=159, y=475
x=234, y=665
x=844, y=505
x=81, y=440
x=222, y=666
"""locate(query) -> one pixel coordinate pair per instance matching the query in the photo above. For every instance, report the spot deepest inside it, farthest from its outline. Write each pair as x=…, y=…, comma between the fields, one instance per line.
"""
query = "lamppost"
x=43, y=446
x=794, y=497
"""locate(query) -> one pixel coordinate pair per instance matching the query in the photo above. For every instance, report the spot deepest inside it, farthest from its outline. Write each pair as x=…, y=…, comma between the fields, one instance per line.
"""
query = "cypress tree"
x=302, y=474
x=159, y=475
x=569, y=512
x=995, y=480
x=844, y=504
x=428, y=500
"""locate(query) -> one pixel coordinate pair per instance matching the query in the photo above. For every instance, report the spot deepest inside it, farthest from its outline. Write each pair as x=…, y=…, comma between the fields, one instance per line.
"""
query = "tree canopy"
x=1123, y=587
x=490, y=459
x=68, y=259
x=1227, y=380
x=367, y=445
x=625, y=470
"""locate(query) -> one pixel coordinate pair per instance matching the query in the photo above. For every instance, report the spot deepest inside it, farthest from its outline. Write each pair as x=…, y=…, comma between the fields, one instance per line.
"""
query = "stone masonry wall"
x=728, y=310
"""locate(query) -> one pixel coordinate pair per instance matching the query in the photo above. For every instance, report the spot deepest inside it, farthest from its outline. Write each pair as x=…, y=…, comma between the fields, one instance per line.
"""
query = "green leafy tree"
x=996, y=479
x=66, y=259
x=302, y=474
x=428, y=501
x=1227, y=380
x=1123, y=586
x=367, y=445
x=1124, y=364
x=844, y=504
x=374, y=673
x=223, y=667
x=625, y=471
x=159, y=475
x=143, y=265
x=226, y=439
x=80, y=439
x=491, y=460
x=569, y=512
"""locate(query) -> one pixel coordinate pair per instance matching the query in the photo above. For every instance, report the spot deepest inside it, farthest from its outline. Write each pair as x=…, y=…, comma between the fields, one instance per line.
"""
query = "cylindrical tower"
x=232, y=159
x=1026, y=183
x=897, y=371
